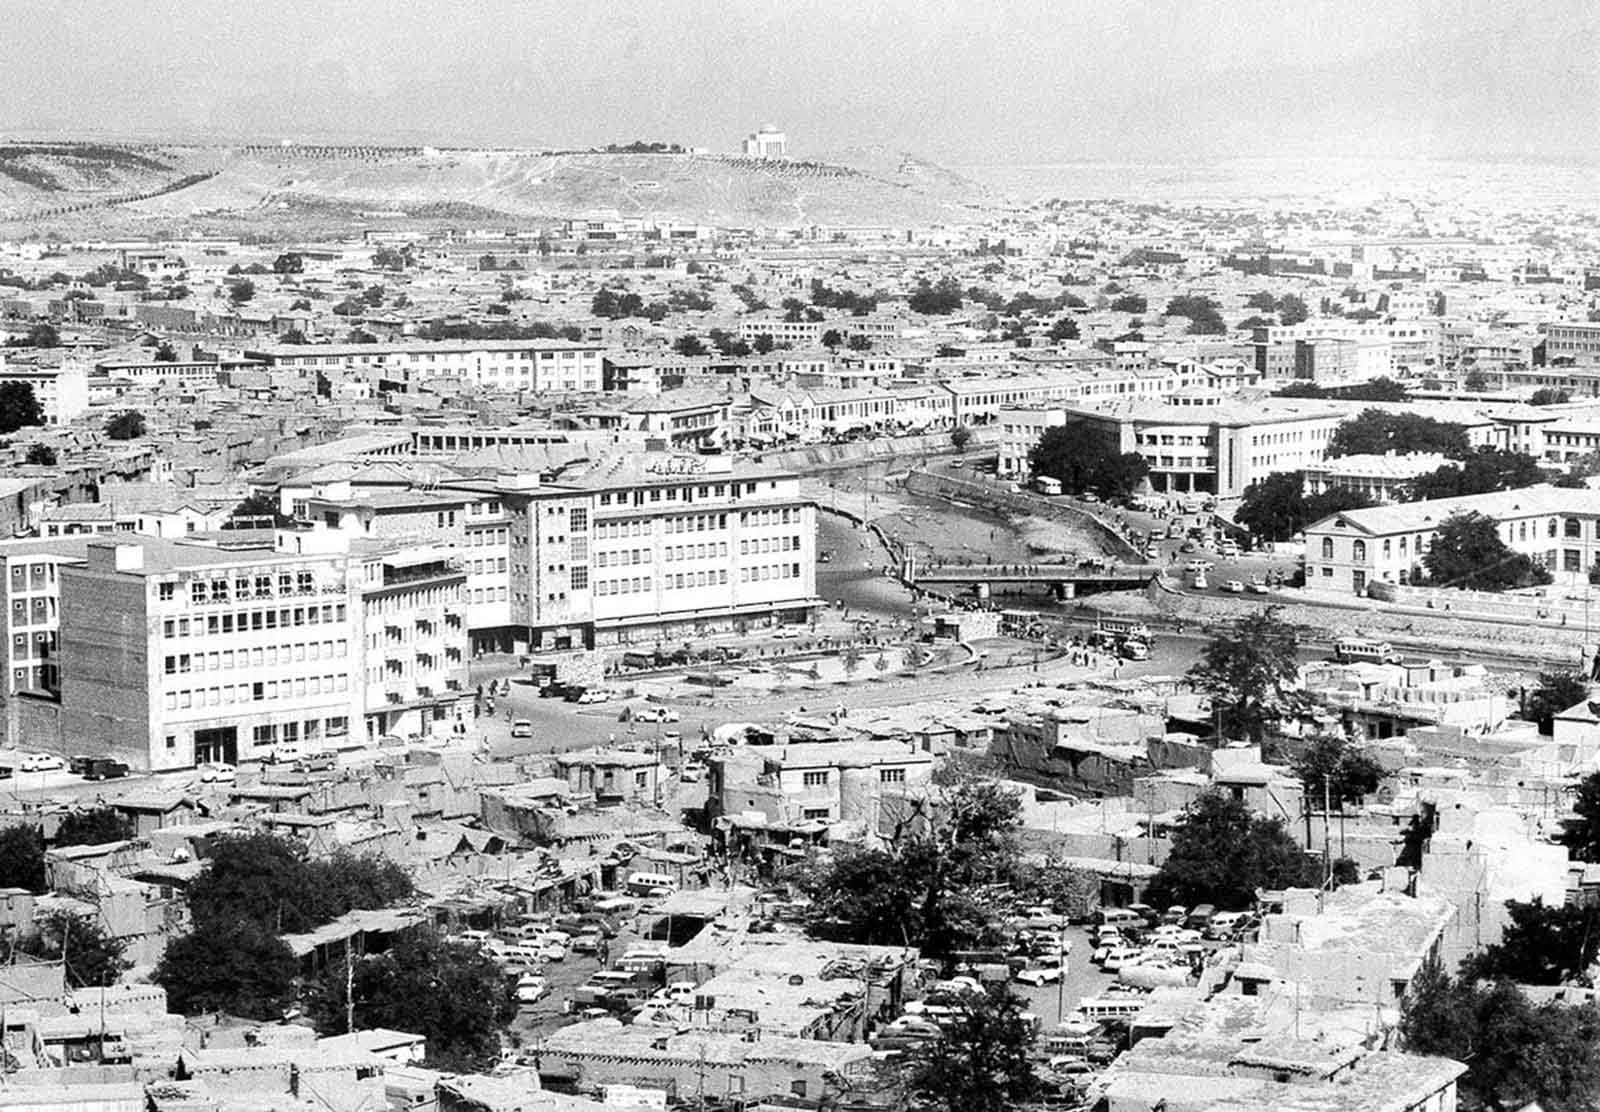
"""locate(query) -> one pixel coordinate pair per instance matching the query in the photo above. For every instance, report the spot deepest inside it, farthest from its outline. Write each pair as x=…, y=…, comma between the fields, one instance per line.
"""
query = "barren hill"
x=299, y=188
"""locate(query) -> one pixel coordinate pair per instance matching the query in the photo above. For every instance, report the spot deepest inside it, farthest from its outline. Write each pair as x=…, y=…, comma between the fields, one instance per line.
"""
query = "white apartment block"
x=540, y=366
x=175, y=653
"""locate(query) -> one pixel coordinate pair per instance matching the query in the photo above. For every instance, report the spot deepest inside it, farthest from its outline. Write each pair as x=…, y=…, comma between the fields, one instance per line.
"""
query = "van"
x=1200, y=918
x=1224, y=925
x=645, y=884
x=1118, y=917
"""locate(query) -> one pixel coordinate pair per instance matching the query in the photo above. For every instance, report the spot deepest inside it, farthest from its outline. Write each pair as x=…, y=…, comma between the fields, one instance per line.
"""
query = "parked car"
x=1041, y=974
x=1233, y=587
x=522, y=728
x=41, y=762
x=286, y=751
x=78, y=765
x=104, y=768
x=531, y=989
x=667, y=714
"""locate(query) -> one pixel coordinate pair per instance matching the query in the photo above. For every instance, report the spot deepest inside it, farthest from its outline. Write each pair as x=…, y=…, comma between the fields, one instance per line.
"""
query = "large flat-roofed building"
x=1206, y=443
x=508, y=365
x=1558, y=528
x=175, y=653
x=637, y=548
x=1576, y=341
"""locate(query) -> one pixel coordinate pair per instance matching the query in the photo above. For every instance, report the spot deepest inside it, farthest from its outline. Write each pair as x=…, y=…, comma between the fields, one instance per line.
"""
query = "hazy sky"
x=1001, y=81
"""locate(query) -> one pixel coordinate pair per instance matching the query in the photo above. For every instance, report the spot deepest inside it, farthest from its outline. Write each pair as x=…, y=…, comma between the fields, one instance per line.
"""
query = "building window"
x=1327, y=548
x=1358, y=551
x=815, y=779
x=891, y=776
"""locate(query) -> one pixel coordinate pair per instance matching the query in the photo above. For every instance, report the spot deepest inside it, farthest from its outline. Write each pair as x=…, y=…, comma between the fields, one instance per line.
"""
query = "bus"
x=1128, y=629
x=1349, y=650
x=1045, y=484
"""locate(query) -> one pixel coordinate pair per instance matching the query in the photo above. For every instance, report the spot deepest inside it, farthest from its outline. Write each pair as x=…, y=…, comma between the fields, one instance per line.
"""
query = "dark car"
x=79, y=765
x=103, y=768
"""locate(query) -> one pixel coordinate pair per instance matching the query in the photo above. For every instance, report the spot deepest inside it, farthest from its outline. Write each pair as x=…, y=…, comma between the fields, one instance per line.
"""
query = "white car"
x=522, y=727
x=1233, y=587
x=531, y=989
x=41, y=762
x=288, y=751
x=667, y=714
x=1041, y=974
x=218, y=772
x=595, y=695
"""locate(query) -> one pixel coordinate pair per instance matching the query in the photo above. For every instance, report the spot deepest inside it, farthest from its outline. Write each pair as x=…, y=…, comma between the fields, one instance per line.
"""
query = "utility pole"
x=349, y=990
x=1327, y=848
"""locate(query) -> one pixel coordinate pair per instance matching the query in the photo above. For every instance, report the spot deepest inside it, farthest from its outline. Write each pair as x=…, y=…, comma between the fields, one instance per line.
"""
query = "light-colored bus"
x=1351, y=649
x=646, y=884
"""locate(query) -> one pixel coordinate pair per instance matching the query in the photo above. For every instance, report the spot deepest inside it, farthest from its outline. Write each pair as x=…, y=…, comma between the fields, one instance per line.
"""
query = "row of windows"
x=769, y=544
x=230, y=694
x=284, y=584
x=486, y=567
x=37, y=610
x=783, y=516
x=479, y=538
x=181, y=663
x=403, y=602
x=271, y=733
x=675, y=552
x=486, y=594
x=32, y=576
x=769, y=571
x=252, y=620
x=819, y=779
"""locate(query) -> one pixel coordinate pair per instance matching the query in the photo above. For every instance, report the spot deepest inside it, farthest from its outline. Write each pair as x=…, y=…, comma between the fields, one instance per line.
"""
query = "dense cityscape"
x=652, y=625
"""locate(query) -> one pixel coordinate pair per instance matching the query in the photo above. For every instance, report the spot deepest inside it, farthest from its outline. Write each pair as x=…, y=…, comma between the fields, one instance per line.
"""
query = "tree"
x=1476, y=381
x=93, y=958
x=1467, y=552
x=1480, y=472
x=960, y=437
x=1064, y=328
x=451, y=992
x=228, y=964
x=1204, y=320
x=1540, y=945
x=127, y=425
x=19, y=407
x=1262, y=300
x=41, y=454
x=1221, y=854
x=832, y=339
x=1251, y=674
x=22, y=857
x=1292, y=310
x=859, y=341
x=1516, y=1054
x=241, y=291
x=373, y=295
x=43, y=336
x=1549, y=395
x=271, y=881
x=165, y=353
x=261, y=503
x=939, y=299
x=981, y=1062
x=689, y=344
x=290, y=262
x=1130, y=303
x=1583, y=836
x=94, y=827
x=1276, y=508
x=924, y=887
x=387, y=258
x=488, y=262
x=1331, y=768
x=764, y=344
x=1086, y=463
x=1556, y=692
x=1375, y=432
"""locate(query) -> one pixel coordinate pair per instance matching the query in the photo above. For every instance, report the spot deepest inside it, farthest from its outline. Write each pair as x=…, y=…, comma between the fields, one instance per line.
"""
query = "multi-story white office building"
x=509, y=365
x=62, y=390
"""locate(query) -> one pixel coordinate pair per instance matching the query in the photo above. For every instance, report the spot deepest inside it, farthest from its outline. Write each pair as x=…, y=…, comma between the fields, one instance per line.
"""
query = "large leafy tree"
x=1540, y=946
x=93, y=827
x=1221, y=854
x=22, y=857
x=1555, y=692
x=1467, y=552
x=1087, y=463
x=18, y=407
x=1376, y=432
x=450, y=992
x=127, y=425
x=982, y=1062
x=93, y=957
x=1485, y=470
x=1277, y=507
x=1582, y=837
x=923, y=888
x=228, y=964
x=271, y=881
x=1251, y=673
x=1331, y=764
x=1517, y=1055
